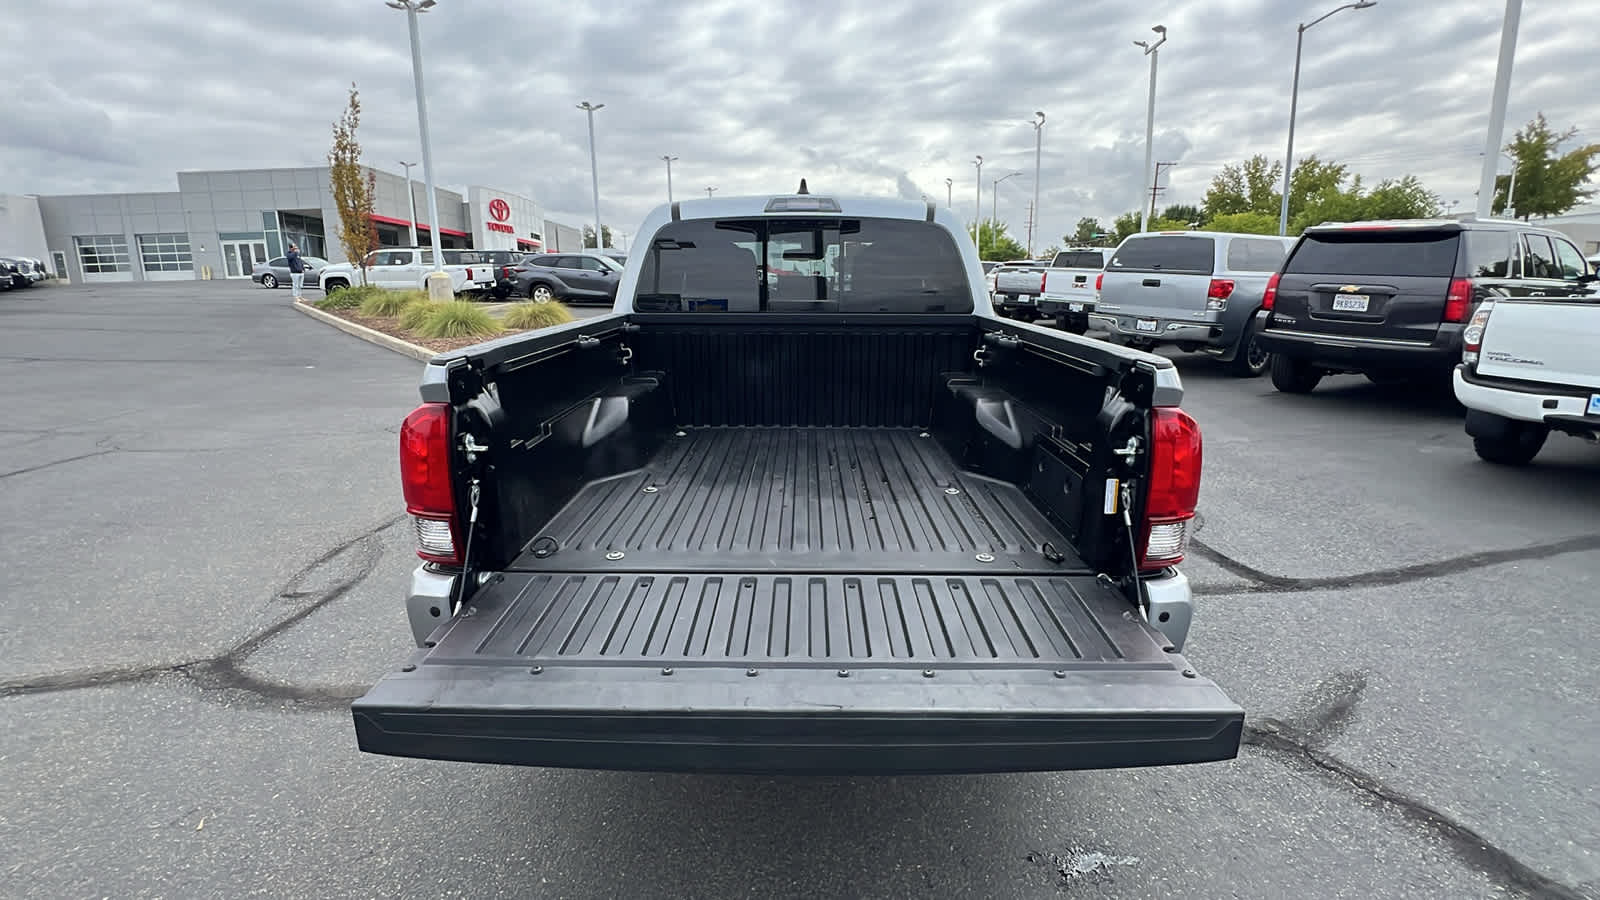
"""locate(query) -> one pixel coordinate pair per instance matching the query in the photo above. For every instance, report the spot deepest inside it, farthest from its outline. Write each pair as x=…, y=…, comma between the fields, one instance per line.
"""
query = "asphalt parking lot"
x=204, y=558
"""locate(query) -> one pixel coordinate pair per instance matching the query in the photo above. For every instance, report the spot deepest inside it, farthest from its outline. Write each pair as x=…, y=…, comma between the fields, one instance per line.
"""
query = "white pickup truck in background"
x=1071, y=286
x=397, y=268
x=1531, y=365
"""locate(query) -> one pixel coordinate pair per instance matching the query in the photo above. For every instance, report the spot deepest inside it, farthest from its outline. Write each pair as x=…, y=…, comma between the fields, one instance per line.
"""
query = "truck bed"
x=799, y=600
x=800, y=499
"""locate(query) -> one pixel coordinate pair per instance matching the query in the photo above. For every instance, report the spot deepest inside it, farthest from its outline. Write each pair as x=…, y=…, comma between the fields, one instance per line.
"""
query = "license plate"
x=1594, y=405
x=1075, y=307
x=1145, y=325
x=1351, y=303
x=1024, y=298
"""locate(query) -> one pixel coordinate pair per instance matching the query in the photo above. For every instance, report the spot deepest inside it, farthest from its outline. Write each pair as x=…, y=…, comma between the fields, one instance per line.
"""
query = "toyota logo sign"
x=499, y=209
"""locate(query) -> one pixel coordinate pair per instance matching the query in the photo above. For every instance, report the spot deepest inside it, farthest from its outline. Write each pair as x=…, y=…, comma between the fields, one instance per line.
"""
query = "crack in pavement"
x=223, y=673
x=1260, y=582
x=56, y=462
x=1303, y=744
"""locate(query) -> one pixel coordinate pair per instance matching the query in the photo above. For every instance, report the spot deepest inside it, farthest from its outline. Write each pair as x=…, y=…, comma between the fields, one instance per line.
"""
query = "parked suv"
x=574, y=277
x=1390, y=299
x=1200, y=290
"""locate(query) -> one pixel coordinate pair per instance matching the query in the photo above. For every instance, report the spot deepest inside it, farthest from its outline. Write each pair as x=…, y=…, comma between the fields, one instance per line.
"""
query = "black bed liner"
x=806, y=499
x=800, y=601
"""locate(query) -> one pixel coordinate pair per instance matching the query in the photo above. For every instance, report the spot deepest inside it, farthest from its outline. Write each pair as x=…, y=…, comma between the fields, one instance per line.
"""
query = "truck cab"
x=843, y=521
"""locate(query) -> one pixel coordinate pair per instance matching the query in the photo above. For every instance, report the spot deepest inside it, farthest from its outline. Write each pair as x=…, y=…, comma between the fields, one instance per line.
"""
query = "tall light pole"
x=1294, y=101
x=1497, y=107
x=710, y=191
x=412, y=8
x=949, y=192
x=594, y=172
x=669, y=160
x=1511, y=189
x=411, y=197
x=1038, y=144
x=977, y=209
x=994, y=205
x=1152, y=51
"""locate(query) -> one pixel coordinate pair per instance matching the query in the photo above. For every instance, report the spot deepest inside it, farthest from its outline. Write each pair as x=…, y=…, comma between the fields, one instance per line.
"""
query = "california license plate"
x=1594, y=405
x=1351, y=302
x=1145, y=325
x=1075, y=307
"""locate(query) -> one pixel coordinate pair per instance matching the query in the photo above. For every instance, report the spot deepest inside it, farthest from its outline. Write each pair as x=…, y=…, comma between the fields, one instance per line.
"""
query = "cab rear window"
x=1165, y=253
x=1079, y=259
x=1388, y=253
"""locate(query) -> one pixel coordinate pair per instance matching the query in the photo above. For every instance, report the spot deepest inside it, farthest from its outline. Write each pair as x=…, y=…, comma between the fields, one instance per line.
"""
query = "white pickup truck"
x=397, y=268
x=1530, y=366
x=1072, y=285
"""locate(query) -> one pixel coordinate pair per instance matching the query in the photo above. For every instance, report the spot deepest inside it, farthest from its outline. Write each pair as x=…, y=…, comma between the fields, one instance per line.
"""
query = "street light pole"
x=1152, y=51
x=1294, y=102
x=411, y=197
x=594, y=172
x=994, y=208
x=412, y=8
x=977, y=210
x=669, y=160
x=710, y=191
x=1497, y=107
x=949, y=192
x=1511, y=189
x=1038, y=144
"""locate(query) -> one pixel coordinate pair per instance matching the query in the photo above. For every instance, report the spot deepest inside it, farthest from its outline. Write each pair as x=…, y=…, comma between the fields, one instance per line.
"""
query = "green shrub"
x=416, y=312
x=348, y=298
x=537, y=315
x=458, y=318
x=385, y=304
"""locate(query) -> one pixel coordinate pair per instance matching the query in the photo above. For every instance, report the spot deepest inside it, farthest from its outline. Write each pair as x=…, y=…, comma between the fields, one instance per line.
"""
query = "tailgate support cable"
x=466, y=555
x=1133, y=550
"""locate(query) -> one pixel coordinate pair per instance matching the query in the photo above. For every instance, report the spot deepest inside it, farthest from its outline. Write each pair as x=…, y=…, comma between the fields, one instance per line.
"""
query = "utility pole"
x=1155, y=186
x=1151, y=50
x=1038, y=144
x=977, y=209
x=1497, y=107
x=594, y=172
x=710, y=191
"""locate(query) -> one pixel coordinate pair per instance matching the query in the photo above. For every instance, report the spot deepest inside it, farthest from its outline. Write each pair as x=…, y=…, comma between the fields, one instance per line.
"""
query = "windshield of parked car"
x=827, y=264
x=1389, y=252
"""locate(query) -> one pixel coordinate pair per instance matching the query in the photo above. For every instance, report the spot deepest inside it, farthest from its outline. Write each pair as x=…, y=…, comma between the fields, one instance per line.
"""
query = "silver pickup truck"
x=1199, y=290
x=1017, y=286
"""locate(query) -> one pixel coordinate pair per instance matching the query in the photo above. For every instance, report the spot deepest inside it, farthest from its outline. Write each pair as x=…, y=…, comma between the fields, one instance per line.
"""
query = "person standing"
x=297, y=270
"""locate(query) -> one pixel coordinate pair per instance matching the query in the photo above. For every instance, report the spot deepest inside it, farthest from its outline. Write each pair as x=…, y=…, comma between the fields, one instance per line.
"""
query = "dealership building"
x=219, y=224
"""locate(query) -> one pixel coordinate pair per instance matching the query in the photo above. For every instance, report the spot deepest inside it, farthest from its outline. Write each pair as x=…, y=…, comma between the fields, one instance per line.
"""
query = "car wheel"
x=1294, y=376
x=335, y=285
x=269, y=281
x=1517, y=447
x=541, y=293
x=1251, y=360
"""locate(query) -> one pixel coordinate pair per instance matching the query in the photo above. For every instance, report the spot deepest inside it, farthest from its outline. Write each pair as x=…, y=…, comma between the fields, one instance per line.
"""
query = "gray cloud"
x=890, y=97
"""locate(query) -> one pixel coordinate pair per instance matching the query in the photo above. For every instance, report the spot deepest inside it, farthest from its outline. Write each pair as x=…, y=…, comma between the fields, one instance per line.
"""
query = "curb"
x=386, y=341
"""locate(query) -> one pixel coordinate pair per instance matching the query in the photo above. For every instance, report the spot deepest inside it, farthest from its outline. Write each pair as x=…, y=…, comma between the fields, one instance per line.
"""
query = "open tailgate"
x=792, y=673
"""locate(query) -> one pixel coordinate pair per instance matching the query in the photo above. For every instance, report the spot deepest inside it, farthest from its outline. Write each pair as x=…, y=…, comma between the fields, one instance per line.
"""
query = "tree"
x=1126, y=224
x=1162, y=223
x=1049, y=252
x=1089, y=231
x=1183, y=212
x=1247, y=187
x=588, y=235
x=1245, y=223
x=353, y=187
x=995, y=244
x=1548, y=183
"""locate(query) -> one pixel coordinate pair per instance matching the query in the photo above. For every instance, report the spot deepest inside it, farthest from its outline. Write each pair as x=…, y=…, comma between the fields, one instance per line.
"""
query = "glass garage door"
x=166, y=257
x=104, y=257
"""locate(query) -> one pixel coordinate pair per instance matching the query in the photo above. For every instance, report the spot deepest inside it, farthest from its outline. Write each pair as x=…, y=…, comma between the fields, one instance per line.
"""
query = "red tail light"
x=1458, y=302
x=469, y=273
x=425, y=480
x=1472, y=335
x=1099, y=280
x=1175, y=457
x=1042, y=279
x=1270, y=298
x=1220, y=289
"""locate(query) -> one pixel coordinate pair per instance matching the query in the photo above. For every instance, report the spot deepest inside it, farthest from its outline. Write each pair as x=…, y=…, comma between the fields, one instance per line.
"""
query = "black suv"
x=1390, y=299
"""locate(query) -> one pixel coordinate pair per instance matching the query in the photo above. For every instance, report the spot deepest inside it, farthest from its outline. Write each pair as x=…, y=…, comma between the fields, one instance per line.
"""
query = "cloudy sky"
x=888, y=96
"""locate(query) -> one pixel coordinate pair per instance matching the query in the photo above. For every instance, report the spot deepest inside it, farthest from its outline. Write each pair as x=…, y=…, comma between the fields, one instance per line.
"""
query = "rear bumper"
x=1522, y=403
x=1170, y=332
x=798, y=721
x=1063, y=304
x=1363, y=354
